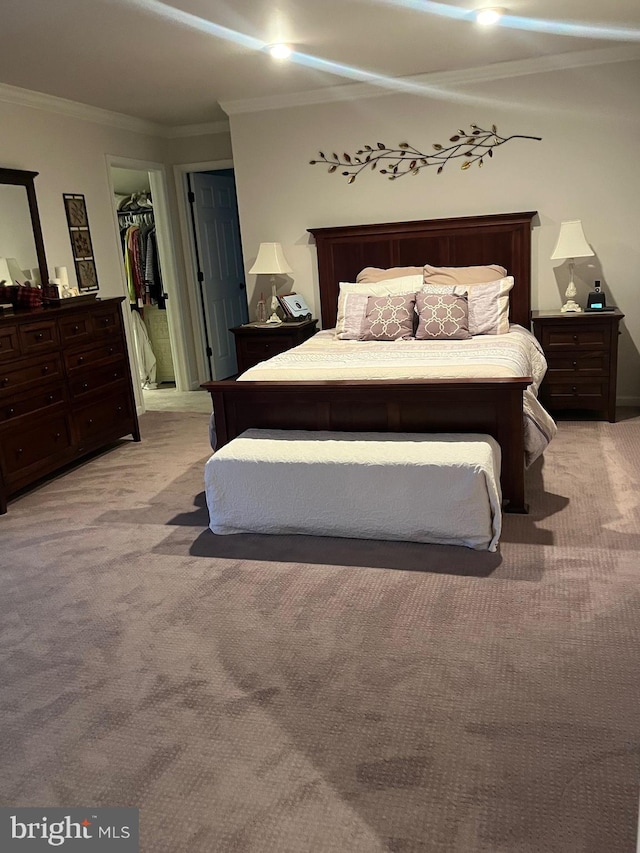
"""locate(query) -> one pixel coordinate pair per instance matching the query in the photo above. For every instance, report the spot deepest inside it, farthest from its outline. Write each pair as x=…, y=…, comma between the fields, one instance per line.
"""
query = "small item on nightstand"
x=597, y=300
x=261, y=310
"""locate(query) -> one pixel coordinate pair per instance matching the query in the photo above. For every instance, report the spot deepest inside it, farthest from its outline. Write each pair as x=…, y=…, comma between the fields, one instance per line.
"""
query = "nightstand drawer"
x=566, y=364
x=559, y=337
x=580, y=394
x=260, y=350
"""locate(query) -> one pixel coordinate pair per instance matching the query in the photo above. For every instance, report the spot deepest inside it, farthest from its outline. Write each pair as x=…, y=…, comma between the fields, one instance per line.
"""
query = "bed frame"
x=492, y=406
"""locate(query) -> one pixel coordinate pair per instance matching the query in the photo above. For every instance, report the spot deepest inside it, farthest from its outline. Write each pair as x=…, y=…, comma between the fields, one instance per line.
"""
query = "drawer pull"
x=106, y=321
x=81, y=360
x=45, y=369
x=90, y=422
x=575, y=364
x=574, y=389
x=4, y=381
x=11, y=412
x=19, y=451
x=75, y=329
x=56, y=435
x=110, y=351
x=575, y=337
x=85, y=386
x=50, y=398
x=115, y=374
x=39, y=336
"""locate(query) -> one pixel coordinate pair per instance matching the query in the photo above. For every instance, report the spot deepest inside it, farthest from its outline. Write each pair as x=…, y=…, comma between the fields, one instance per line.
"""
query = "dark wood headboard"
x=503, y=238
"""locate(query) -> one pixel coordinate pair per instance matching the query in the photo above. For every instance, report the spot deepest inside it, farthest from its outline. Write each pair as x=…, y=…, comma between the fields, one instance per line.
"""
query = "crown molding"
x=211, y=127
x=85, y=112
x=443, y=79
x=74, y=109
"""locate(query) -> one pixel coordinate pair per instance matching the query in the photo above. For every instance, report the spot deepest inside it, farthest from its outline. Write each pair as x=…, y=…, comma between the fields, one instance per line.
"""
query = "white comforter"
x=517, y=353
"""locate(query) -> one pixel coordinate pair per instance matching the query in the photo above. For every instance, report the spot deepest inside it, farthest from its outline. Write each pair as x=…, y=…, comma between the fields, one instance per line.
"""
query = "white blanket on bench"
x=442, y=488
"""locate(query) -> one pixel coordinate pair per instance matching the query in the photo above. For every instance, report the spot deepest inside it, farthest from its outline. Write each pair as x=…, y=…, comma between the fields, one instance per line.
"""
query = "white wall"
x=584, y=168
x=70, y=155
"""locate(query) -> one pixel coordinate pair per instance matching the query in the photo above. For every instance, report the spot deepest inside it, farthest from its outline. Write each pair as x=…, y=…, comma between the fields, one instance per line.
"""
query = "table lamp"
x=571, y=244
x=271, y=261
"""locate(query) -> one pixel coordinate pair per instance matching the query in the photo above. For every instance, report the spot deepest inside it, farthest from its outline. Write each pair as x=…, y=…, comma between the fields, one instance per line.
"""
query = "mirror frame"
x=18, y=177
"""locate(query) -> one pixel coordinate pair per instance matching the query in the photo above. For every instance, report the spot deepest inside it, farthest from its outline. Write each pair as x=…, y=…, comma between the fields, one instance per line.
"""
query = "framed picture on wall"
x=81, y=245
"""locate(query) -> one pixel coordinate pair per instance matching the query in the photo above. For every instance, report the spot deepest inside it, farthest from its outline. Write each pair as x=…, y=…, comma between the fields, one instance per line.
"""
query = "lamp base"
x=571, y=307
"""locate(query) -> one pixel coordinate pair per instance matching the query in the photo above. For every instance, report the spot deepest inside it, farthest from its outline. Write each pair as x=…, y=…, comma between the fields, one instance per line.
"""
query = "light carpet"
x=256, y=694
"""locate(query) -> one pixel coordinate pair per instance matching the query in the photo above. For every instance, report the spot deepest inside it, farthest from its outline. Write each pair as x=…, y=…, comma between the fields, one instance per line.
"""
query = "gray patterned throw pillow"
x=442, y=317
x=389, y=318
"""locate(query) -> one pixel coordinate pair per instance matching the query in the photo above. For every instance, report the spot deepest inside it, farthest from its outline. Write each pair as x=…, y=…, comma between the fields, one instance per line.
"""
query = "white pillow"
x=352, y=310
x=488, y=303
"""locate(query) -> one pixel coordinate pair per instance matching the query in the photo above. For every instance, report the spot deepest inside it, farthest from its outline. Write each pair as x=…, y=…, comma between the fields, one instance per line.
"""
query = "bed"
x=493, y=404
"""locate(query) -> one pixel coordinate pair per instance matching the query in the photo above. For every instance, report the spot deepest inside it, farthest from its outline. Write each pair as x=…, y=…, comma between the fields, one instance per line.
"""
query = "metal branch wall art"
x=472, y=147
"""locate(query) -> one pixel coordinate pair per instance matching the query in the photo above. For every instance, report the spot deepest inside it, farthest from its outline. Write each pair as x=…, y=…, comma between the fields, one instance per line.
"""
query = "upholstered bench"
x=440, y=488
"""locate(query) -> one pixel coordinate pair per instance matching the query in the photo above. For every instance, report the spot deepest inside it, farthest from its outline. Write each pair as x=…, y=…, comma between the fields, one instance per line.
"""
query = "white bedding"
x=517, y=353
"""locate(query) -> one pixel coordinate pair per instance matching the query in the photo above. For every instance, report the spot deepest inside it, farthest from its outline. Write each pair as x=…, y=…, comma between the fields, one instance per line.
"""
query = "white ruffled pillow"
x=488, y=303
x=352, y=302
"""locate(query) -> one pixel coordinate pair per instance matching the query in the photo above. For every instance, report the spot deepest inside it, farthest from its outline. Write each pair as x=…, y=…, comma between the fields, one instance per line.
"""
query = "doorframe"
x=189, y=247
x=178, y=333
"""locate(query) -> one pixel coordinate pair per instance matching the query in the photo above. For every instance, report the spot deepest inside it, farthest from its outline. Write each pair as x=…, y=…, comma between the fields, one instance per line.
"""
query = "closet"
x=147, y=298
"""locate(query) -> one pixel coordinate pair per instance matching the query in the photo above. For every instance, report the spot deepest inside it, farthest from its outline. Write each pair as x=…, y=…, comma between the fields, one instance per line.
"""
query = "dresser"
x=65, y=389
x=582, y=356
x=257, y=342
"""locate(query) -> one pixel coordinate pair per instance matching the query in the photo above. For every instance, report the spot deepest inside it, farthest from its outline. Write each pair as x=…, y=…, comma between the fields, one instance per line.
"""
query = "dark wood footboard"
x=438, y=405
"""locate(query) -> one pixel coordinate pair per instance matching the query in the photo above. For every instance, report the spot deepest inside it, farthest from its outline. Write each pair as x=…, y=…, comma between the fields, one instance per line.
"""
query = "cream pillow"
x=488, y=304
x=463, y=275
x=370, y=275
x=352, y=301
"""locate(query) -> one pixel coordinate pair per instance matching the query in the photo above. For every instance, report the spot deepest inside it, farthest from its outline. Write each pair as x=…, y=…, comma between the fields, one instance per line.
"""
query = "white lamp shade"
x=10, y=271
x=270, y=260
x=571, y=242
x=5, y=272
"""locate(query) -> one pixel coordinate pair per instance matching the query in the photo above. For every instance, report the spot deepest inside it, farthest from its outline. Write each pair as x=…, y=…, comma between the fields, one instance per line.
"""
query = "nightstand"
x=582, y=356
x=257, y=342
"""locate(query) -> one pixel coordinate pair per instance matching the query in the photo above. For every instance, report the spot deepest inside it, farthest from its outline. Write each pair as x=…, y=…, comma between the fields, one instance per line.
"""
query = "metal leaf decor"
x=472, y=146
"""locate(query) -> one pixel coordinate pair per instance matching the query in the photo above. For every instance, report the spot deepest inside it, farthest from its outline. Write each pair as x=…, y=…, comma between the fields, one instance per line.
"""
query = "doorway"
x=139, y=193
x=213, y=244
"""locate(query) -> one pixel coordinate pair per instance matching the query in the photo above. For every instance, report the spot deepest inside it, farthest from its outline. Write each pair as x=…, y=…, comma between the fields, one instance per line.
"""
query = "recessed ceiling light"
x=279, y=51
x=487, y=17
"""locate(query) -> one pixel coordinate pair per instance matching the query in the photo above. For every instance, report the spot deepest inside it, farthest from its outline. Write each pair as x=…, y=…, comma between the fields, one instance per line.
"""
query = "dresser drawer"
x=108, y=416
x=75, y=328
x=260, y=350
x=83, y=358
x=9, y=342
x=24, y=404
x=38, y=337
x=583, y=363
x=24, y=446
x=106, y=321
x=24, y=374
x=559, y=337
x=93, y=378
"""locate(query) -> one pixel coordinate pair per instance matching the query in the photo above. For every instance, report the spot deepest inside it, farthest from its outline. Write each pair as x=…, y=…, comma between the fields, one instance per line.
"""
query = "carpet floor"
x=256, y=694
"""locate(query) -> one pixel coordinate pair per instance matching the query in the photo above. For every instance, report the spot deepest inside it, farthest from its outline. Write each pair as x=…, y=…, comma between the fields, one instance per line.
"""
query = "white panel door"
x=223, y=291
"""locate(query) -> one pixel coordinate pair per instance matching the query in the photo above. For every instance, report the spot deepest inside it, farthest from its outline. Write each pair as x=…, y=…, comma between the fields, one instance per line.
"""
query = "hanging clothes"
x=140, y=250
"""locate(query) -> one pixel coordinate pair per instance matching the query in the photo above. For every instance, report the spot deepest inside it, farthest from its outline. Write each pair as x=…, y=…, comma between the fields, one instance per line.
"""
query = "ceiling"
x=175, y=63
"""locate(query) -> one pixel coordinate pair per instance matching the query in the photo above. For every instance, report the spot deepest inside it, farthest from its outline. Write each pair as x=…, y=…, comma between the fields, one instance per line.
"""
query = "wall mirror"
x=20, y=231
